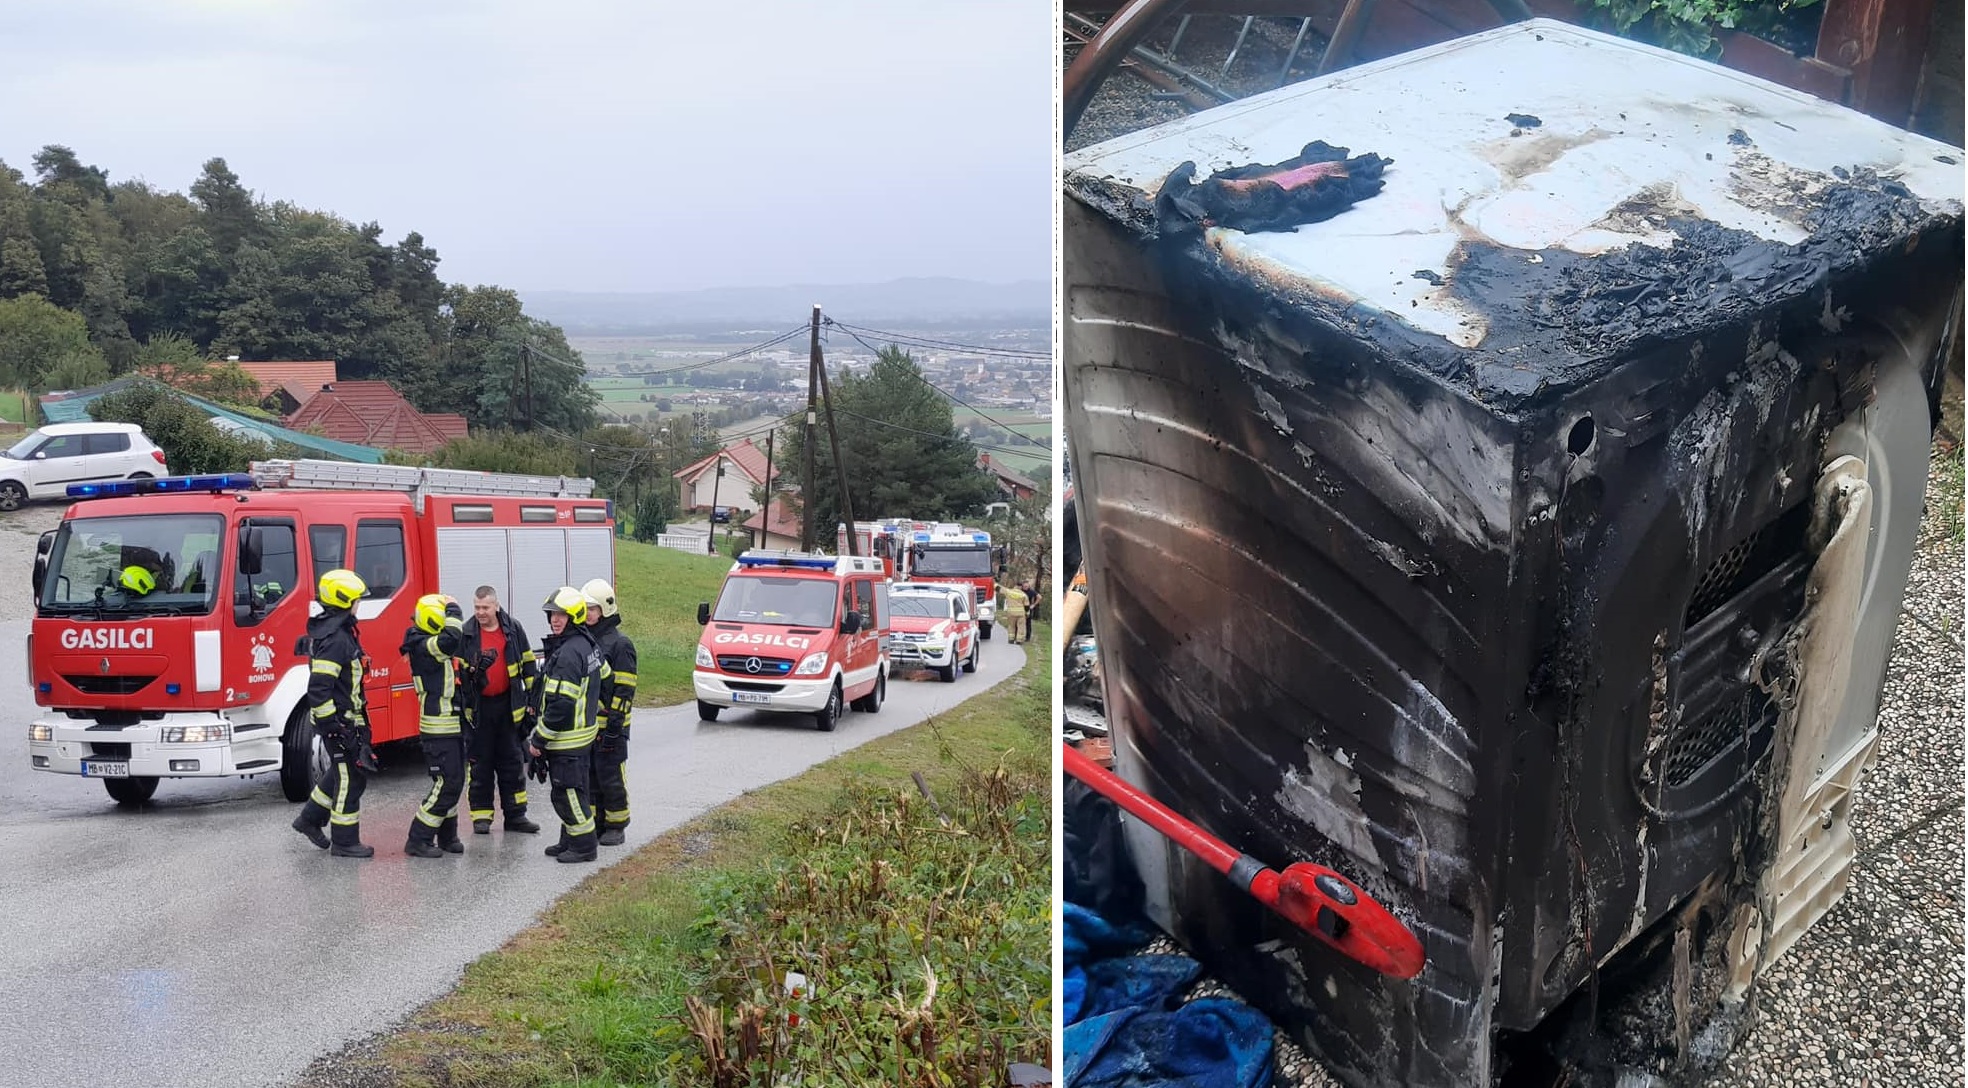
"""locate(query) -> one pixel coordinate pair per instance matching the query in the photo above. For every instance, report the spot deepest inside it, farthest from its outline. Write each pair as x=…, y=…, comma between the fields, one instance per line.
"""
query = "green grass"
x=659, y=589
x=13, y=406
x=663, y=969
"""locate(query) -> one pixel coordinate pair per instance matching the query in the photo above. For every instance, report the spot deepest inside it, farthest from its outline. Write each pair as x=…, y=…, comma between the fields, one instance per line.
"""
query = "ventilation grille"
x=1730, y=725
x=1743, y=565
x=108, y=685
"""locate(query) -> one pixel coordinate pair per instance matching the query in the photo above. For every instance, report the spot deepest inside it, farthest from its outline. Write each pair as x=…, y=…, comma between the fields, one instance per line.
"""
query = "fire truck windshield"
x=147, y=564
x=784, y=602
x=969, y=561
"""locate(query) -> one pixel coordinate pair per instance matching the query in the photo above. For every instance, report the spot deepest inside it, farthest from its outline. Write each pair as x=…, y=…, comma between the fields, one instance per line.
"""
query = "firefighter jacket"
x=433, y=668
x=522, y=668
x=618, y=686
x=570, y=691
x=336, y=666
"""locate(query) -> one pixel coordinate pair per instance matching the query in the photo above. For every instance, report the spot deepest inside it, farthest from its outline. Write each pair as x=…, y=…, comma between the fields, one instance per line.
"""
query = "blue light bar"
x=230, y=481
x=980, y=537
x=811, y=562
x=922, y=536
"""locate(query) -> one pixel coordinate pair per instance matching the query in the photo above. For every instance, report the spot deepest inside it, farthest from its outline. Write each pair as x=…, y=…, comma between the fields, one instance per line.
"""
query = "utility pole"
x=812, y=411
x=840, y=470
x=526, y=369
x=767, y=519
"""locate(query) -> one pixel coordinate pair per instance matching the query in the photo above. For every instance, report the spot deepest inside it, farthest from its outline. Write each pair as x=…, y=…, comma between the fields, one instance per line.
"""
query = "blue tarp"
x=73, y=407
x=1127, y=1026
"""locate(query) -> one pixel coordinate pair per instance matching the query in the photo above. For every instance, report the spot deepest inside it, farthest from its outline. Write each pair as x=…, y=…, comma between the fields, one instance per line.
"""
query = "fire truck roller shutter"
x=538, y=566
x=469, y=558
x=590, y=555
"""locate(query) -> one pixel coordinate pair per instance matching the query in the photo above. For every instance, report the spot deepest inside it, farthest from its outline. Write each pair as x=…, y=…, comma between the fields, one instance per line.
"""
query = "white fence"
x=683, y=542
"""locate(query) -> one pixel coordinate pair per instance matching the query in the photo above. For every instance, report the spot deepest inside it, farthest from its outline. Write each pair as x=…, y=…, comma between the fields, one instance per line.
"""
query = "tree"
x=182, y=430
x=43, y=346
x=903, y=455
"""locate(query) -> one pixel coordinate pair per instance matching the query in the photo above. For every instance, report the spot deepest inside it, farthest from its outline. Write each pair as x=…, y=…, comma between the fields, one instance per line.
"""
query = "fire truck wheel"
x=130, y=792
x=830, y=713
x=12, y=495
x=871, y=702
x=970, y=664
x=297, y=758
x=947, y=673
x=707, y=712
x=984, y=630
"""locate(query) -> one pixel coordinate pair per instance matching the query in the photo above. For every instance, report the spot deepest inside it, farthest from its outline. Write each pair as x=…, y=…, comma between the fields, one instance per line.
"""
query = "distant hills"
x=916, y=303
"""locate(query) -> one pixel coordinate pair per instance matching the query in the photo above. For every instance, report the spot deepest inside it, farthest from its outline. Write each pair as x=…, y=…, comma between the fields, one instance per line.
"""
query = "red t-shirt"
x=496, y=680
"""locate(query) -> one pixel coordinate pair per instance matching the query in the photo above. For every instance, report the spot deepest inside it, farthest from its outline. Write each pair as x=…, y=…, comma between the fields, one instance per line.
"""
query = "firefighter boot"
x=421, y=848
x=481, y=827
x=346, y=841
x=447, y=836
x=312, y=832
x=612, y=837
x=516, y=821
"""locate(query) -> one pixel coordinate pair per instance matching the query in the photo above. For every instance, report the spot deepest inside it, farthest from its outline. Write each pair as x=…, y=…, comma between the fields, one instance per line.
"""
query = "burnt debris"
x=1318, y=183
x=1523, y=120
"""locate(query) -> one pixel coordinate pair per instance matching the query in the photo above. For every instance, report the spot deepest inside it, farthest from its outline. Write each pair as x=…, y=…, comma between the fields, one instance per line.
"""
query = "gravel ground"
x=19, y=531
x=1872, y=997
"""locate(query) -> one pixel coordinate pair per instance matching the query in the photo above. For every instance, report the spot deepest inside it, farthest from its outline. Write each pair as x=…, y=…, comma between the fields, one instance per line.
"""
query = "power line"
x=739, y=354
x=939, y=389
x=942, y=437
x=945, y=345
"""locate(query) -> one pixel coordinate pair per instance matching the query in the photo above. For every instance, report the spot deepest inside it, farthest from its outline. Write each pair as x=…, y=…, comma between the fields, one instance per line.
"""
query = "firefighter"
x=611, y=750
x=336, y=665
x=1011, y=609
x=432, y=645
x=499, y=696
x=563, y=736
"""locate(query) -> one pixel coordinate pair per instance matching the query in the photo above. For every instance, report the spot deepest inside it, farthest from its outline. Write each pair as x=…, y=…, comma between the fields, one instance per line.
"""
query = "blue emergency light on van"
x=813, y=562
x=231, y=481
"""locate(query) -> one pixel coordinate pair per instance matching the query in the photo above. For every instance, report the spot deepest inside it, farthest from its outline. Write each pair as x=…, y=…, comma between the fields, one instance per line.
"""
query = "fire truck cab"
x=794, y=632
x=203, y=673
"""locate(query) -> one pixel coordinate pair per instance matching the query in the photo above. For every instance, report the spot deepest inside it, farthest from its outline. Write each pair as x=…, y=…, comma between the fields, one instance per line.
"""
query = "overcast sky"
x=579, y=144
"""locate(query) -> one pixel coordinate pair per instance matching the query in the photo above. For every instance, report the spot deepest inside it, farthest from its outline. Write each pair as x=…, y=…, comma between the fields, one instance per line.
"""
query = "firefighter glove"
x=485, y=660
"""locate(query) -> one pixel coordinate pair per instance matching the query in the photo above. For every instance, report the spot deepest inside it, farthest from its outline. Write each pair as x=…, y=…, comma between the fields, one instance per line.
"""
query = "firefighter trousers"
x=495, y=756
x=336, y=802
x=568, y=773
x=436, y=819
x=608, y=782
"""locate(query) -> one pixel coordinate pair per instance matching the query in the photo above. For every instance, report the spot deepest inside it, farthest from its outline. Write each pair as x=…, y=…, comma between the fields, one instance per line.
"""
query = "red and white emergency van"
x=933, y=627
x=794, y=632
x=203, y=675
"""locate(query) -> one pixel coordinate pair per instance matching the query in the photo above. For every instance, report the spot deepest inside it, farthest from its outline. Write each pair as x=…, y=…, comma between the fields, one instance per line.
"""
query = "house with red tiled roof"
x=781, y=532
x=1009, y=482
x=291, y=384
x=374, y=414
x=744, y=468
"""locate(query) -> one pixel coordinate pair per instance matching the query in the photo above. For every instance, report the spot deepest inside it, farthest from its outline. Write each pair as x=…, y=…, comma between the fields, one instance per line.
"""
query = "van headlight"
x=704, y=660
x=196, y=734
x=812, y=664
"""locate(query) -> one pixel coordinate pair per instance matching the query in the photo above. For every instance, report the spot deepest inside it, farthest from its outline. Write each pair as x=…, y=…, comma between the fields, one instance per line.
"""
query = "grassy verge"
x=927, y=942
x=659, y=589
x=13, y=406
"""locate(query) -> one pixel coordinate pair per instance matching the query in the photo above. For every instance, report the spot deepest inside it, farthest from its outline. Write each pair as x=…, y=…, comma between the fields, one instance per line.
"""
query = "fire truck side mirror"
x=251, y=549
x=703, y=613
x=851, y=623
x=41, y=550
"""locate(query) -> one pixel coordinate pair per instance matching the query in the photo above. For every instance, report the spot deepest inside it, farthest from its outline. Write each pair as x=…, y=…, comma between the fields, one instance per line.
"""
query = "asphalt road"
x=200, y=941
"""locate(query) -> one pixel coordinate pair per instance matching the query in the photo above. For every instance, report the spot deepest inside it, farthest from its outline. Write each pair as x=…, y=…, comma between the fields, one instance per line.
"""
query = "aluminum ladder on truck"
x=317, y=475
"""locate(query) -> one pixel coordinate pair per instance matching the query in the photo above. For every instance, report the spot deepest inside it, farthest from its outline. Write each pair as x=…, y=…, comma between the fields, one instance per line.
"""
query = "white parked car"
x=42, y=465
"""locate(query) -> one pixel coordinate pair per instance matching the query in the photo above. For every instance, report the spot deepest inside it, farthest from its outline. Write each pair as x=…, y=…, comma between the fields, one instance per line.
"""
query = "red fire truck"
x=795, y=632
x=202, y=676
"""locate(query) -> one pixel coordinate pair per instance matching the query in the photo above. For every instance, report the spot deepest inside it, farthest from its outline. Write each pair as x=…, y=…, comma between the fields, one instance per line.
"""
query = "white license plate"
x=749, y=697
x=98, y=769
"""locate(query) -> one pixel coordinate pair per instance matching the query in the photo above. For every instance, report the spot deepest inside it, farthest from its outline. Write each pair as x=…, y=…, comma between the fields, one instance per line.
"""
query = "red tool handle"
x=1312, y=897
